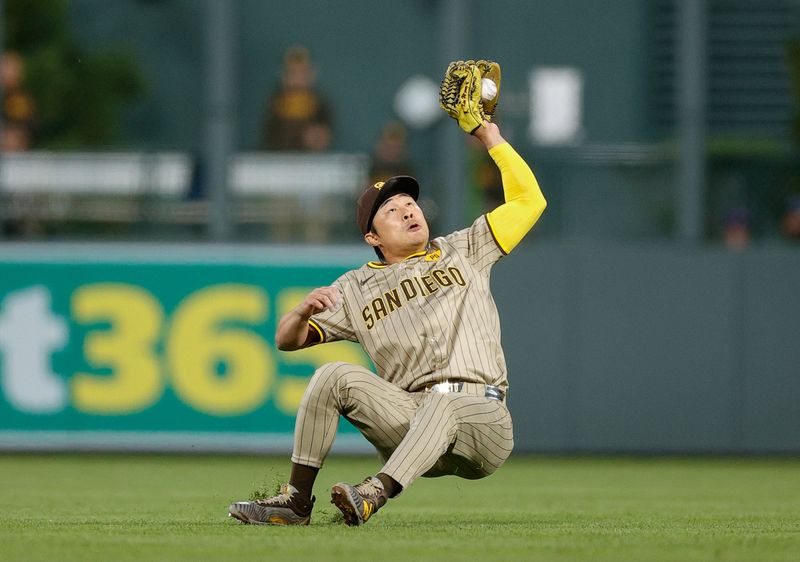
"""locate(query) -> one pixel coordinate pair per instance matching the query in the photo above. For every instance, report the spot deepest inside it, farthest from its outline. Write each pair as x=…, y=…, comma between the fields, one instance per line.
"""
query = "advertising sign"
x=154, y=355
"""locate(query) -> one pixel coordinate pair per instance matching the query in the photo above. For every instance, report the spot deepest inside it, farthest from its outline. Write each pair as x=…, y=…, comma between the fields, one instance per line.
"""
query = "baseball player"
x=425, y=315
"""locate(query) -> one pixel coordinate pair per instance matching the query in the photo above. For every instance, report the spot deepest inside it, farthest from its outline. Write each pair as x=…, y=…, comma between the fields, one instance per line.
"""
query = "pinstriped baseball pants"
x=415, y=433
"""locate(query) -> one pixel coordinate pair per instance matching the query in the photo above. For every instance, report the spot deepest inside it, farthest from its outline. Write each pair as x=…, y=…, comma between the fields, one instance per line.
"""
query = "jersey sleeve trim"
x=319, y=330
x=494, y=236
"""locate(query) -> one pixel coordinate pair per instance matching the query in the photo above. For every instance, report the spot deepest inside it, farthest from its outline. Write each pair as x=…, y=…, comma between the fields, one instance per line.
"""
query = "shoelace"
x=369, y=489
x=281, y=499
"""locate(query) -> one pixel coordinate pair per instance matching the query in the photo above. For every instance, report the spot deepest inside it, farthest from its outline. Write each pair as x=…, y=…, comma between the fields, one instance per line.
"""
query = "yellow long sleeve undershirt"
x=524, y=202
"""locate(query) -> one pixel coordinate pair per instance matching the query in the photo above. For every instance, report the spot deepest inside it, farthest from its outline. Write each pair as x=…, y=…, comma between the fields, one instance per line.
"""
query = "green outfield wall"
x=640, y=348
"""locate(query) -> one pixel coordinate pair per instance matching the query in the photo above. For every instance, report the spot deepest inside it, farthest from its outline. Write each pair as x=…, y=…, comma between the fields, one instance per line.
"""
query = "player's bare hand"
x=489, y=135
x=321, y=298
x=490, y=128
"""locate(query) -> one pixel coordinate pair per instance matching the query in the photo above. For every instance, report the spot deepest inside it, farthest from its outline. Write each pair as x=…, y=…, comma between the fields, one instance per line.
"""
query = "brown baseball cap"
x=376, y=195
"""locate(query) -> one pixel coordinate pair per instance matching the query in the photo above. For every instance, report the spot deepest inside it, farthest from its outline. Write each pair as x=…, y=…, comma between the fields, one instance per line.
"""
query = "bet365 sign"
x=154, y=346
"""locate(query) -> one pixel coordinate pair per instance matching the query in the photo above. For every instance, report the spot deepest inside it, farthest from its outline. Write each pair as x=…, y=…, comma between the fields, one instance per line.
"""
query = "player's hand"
x=321, y=298
x=489, y=135
x=488, y=128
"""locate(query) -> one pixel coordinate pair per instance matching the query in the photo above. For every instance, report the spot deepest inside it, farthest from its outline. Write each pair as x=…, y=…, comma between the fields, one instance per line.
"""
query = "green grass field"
x=106, y=507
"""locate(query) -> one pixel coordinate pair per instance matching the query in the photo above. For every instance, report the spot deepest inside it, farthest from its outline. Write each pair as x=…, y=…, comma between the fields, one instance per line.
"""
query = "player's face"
x=401, y=228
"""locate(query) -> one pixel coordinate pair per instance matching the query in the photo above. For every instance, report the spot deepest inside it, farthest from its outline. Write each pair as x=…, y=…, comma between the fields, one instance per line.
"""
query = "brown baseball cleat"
x=287, y=508
x=360, y=502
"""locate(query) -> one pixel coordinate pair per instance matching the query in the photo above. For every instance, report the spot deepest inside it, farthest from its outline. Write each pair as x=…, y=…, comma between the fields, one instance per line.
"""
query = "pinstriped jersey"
x=428, y=319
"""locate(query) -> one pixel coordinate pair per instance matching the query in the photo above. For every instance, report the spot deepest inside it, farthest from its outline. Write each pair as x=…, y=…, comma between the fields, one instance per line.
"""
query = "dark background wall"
x=364, y=51
x=616, y=182
x=647, y=348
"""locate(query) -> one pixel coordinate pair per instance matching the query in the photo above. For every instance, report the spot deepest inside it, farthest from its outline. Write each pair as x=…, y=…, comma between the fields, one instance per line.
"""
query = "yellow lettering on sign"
x=216, y=366
x=127, y=348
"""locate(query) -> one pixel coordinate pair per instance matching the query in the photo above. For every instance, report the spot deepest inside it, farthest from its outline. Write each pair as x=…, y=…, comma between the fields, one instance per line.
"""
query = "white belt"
x=487, y=390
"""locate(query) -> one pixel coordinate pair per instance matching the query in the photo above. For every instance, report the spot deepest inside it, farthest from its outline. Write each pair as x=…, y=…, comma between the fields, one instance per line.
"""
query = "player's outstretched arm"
x=293, y=330
x=524, y=202
x=489, y=135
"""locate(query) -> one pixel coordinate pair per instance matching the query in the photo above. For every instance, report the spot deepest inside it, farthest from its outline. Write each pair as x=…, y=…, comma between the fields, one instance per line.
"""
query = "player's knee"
x=329, y=375
x=327, y=372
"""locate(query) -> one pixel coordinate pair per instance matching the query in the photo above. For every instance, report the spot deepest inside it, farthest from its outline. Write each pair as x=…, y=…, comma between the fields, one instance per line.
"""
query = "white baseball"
x=488, y=89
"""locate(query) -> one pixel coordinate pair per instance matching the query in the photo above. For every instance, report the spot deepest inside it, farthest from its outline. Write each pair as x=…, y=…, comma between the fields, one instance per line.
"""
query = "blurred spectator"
x=790, y=223
x=297, y=116
x=390, y=155
x=736, y=228
x=18, y=106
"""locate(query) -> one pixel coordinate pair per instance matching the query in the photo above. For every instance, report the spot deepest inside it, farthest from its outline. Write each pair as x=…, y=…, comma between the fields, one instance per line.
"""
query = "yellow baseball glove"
x=461, y=93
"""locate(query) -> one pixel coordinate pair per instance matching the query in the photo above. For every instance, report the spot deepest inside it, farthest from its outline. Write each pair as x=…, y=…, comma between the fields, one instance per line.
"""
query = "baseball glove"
x=460, y=94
